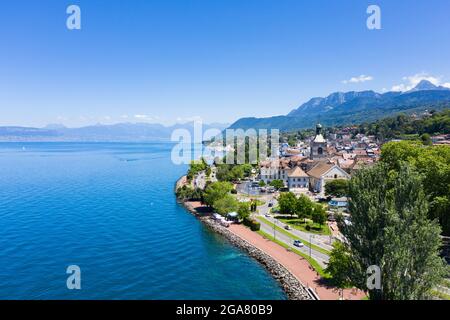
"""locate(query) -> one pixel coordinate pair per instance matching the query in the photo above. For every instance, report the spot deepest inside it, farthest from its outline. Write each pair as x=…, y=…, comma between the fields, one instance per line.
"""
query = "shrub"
x=252, y=224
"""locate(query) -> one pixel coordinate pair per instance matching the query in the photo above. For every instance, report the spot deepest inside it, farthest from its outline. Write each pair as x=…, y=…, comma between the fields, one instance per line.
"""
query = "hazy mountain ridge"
x=354, y=107
x=115, y=132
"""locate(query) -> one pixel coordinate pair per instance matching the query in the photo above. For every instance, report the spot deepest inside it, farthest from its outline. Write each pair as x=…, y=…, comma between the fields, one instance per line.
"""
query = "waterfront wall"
x=293, y=288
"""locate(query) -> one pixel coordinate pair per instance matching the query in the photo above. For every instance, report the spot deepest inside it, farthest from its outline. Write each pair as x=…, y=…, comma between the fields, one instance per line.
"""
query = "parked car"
x=287, y=227
x=270, y=204
x=298, y=243
x=267, y=215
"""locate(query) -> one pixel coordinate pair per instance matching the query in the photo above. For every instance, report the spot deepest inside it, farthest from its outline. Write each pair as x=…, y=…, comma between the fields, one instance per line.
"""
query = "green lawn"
x=306, y=243
x=300, y=224
x=440, y=295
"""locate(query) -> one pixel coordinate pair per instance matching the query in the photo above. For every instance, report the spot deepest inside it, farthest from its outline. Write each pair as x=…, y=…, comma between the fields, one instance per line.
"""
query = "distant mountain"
x=427, y=85
x=137, y=132
x=341, y=108
x=320, y=105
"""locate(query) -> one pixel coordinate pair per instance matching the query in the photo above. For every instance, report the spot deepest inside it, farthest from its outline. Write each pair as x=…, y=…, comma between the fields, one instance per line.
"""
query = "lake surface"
x=110, y=209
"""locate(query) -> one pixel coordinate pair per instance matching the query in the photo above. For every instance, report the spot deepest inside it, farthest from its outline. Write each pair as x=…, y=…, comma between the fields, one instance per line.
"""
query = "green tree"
x=197, y=166
x=319, y=215
x=225, y=205
x=339, y=265
x=243, y=210
x=287, y=202
x=262, y=183
x=426, y=139
x=304, y=207
x=336, y=188
x=277, y=184
x=253, y=205
x=433, y=164
x=215, y=191
x=247, y=168
x=389, y=228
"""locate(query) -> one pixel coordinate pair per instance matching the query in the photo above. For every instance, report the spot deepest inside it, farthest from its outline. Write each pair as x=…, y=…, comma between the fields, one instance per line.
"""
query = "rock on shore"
x=293, y=288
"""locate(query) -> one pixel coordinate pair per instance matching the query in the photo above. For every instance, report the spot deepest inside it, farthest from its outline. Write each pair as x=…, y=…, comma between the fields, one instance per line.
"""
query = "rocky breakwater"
x=293, y=288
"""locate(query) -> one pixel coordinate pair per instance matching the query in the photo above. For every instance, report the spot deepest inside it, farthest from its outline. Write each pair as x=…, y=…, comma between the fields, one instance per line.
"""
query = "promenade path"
x=298, y=266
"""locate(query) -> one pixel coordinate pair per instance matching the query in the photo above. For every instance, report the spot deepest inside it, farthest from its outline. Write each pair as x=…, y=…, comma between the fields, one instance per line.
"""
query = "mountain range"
x=345, y=108
x=121, y=132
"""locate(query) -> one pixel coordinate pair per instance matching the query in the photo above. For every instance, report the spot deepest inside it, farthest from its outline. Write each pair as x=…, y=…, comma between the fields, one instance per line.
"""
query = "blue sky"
x=174, y=60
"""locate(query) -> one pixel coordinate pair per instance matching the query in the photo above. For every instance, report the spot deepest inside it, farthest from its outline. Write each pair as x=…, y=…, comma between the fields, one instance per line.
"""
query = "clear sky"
x=173, y=60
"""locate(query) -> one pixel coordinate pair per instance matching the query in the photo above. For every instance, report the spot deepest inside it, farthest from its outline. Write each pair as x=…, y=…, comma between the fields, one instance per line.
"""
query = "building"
x=318, y=145
x=323, y=172
x=274, y=170
x=297, y=179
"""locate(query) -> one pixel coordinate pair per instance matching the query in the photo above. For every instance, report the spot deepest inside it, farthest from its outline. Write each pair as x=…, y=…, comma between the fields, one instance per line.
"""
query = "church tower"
x=318, y=145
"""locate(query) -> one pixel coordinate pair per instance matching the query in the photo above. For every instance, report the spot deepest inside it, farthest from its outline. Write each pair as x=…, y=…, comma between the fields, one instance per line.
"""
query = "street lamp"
x=310, y=244
x=274, y=232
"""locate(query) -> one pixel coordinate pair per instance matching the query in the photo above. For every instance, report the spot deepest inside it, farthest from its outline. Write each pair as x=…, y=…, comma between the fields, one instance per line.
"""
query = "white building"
x=323, y=172
x=297, y=179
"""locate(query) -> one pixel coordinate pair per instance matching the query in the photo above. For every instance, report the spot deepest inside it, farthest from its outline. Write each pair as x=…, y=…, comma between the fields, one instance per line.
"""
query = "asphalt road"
x=320, y=257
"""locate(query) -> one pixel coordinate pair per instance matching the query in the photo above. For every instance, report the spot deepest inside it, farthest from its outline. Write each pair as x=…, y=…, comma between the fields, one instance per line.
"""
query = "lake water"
x=110, y=209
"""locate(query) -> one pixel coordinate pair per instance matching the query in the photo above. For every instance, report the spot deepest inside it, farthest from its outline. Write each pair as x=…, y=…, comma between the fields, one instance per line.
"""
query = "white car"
x=298, y=243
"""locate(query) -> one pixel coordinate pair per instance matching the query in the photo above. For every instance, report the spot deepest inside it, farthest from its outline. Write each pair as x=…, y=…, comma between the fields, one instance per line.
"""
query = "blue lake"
x=110, y=209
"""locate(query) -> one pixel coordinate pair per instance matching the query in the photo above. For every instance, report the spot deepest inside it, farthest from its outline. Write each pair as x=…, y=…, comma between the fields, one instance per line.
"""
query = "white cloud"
x=358, y=79
x=411, y=81
x=447, y=84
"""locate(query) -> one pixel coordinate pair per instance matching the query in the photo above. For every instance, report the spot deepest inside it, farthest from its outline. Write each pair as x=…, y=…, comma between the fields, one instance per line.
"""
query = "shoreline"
x=291, y=286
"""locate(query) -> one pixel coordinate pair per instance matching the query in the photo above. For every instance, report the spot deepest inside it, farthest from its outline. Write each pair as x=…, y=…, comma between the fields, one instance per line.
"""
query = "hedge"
x=252, y=224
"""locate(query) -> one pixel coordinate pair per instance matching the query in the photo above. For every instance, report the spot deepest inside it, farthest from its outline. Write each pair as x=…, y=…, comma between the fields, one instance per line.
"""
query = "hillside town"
x=310, y=164
x=298, y=198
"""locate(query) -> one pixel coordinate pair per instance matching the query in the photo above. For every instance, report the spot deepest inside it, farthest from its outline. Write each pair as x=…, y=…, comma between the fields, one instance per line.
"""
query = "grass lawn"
x=287, y=233
x=300, y=224
x=440, y=295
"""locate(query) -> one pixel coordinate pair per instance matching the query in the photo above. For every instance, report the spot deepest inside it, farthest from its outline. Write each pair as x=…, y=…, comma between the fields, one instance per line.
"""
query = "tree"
x=304, y=207
x=426, y=139
x=262, y=183
x=336, y=188
x=277, y=184
x=339, y=265
x=243, y=210
x=247, y=168
x=196, y=166
x=287, y=203
x=319, y=214
x=225, y=205
x=215, y=191
x=433, y=164
x=253, y=205
x=390, y=229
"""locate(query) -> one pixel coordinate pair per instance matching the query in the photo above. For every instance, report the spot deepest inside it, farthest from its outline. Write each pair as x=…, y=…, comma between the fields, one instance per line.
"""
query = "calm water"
x=110, y=209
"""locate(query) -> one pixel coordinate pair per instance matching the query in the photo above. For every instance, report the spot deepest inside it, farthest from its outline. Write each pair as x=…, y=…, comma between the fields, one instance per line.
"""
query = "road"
x=321, y=241
x=320, y=257
x=318, y=240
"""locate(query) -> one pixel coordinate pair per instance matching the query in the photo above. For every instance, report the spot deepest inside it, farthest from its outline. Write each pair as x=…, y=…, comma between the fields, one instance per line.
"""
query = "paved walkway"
x=298, y=266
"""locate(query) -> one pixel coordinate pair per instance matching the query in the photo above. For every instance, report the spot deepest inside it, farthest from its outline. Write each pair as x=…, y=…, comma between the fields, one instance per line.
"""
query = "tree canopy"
x=336, y=188
x=215, y=191
x=226, y=204
x=432, y=163
x=389, y=228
